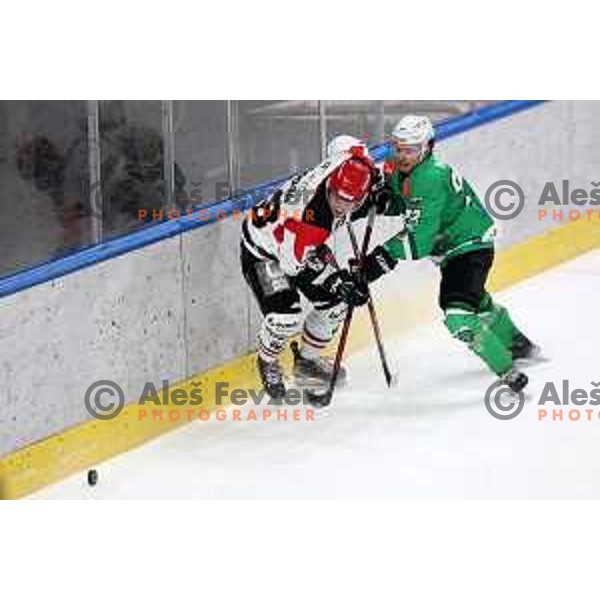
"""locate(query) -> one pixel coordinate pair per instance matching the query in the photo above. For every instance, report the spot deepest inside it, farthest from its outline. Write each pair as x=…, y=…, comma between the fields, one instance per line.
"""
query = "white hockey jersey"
x=294, y=220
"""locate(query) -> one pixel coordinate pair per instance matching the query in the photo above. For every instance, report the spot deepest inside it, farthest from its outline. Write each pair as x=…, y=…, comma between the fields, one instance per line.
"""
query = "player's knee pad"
x=276, y=329
x=463, y=324
x=321, y=325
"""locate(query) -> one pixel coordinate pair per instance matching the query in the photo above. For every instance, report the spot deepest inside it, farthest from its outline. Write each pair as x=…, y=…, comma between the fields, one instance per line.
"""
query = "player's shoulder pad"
x=303, y=187
x=435, y=172
x=449, y=177
x=438, y=167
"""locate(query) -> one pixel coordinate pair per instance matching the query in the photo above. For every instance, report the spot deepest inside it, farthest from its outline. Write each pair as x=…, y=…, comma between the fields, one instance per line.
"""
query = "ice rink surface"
x=430, y=437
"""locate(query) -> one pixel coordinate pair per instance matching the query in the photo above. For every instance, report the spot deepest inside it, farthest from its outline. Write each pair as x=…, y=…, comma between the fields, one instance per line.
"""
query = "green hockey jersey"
x=443, y=215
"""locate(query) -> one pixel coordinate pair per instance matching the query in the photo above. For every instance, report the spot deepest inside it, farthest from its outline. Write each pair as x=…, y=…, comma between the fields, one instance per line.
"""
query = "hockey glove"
x=318, y=265
x=376, y=264
x=382, y=196
x=348, y=288
x=381, y=193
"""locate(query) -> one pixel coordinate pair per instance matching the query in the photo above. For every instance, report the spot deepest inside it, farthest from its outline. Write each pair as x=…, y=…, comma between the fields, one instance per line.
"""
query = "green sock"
x=470, y=328
x=490, y=348
x=496, y=317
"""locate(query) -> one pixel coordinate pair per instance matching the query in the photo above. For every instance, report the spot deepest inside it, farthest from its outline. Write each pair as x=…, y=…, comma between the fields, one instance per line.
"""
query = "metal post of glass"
x=94, y=164
x=168, y=153
x=233, y=147
x=322, y=127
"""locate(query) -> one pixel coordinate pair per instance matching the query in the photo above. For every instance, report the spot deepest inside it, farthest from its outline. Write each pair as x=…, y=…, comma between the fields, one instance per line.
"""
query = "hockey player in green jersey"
x=445, y=220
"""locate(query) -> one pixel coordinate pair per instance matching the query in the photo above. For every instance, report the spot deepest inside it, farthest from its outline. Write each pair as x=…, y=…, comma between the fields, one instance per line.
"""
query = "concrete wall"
x=121, y=320
x=181, y=306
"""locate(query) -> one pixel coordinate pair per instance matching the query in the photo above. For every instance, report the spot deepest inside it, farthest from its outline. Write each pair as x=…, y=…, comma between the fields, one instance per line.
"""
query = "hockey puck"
x=92, y=477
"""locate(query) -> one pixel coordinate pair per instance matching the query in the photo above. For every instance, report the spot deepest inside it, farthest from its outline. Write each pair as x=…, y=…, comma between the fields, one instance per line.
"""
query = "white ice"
x=431, y=437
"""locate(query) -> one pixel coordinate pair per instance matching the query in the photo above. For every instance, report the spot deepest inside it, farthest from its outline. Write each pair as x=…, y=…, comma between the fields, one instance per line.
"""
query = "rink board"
x=93, y=442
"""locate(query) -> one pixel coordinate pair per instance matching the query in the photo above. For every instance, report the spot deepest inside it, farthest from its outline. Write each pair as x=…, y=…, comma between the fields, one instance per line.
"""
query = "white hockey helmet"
x=343, y=143
x=414, y=130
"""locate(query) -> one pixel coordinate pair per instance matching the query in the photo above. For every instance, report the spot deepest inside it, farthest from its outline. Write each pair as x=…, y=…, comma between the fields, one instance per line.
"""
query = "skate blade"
x=312, y=383
x=531, y=361
x=316, y=386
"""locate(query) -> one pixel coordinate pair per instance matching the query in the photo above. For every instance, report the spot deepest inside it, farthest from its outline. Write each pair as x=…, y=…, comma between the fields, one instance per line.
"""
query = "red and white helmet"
x=351, y=181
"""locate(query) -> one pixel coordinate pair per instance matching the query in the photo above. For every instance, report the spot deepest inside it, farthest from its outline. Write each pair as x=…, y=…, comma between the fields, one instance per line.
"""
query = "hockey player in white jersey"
x=284, y=255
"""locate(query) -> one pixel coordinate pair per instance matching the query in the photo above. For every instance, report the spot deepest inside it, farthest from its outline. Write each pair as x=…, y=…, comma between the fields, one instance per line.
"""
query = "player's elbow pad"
x=377, y=264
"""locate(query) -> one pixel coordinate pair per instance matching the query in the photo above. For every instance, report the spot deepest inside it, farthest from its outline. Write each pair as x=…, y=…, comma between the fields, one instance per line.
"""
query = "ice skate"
x=314, y=372
x=525, y=352
x=515, y=380
x=271, y=376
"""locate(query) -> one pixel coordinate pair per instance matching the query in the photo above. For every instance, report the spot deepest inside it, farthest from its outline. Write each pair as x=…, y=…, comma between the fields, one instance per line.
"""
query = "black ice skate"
x=271, y=376
x=515, y=380
x=314, y=372
x=525, y=352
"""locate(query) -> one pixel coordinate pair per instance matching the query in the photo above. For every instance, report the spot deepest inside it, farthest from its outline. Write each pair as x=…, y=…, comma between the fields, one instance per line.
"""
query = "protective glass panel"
x=132, y=154
x=201, y=169
x=44, y=182
x=275, y=138
x=362, y=119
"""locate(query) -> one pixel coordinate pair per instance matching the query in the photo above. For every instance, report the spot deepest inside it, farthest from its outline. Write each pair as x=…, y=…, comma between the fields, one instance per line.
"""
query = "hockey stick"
x=389, y=378
x=325, y=398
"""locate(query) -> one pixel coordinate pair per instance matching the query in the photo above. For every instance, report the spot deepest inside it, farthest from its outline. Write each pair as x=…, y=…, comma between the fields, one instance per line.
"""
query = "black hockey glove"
x=382, y=196
x=375, y=265
x=381, y=192
x=318, y=263
x=347, y=287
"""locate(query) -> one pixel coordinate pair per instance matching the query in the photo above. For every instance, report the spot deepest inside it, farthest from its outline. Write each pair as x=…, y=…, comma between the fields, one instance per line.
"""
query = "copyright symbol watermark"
x=504, y=199
x=104, y=399
x=502, y=402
